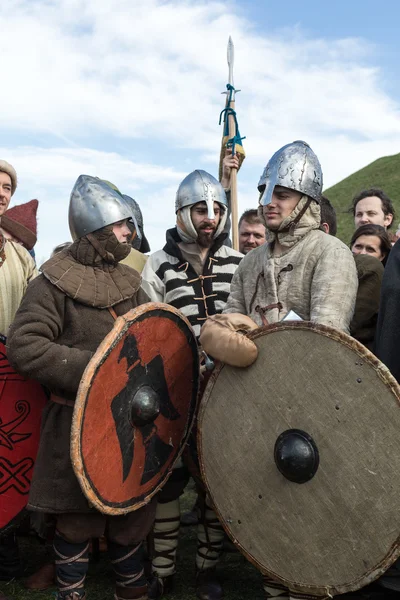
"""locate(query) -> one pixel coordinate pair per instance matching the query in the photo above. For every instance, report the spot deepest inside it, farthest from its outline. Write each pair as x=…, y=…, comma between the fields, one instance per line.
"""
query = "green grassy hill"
x=383, y=173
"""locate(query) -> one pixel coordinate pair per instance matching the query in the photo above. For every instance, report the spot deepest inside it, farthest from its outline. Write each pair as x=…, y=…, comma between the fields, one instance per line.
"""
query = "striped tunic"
x=168, y=277
x=17, y=269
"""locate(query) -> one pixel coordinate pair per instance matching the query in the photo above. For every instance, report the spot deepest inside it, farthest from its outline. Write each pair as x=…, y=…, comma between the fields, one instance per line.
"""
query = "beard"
x=205, y=240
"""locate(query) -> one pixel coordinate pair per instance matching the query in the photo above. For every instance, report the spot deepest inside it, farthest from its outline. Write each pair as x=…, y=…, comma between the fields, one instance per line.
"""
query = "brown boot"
x=123, y=593
x=160, y=586
x=43, y=578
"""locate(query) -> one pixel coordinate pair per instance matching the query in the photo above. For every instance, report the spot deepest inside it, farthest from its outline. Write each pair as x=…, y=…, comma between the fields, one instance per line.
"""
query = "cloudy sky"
x=130, y=91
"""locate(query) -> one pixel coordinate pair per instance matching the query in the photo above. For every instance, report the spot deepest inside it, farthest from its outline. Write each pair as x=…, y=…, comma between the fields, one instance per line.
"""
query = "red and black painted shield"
x=21, y=405
x=135, y=408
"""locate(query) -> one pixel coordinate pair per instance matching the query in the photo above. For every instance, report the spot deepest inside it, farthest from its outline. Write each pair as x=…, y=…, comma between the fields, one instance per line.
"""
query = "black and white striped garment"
x=168, y=277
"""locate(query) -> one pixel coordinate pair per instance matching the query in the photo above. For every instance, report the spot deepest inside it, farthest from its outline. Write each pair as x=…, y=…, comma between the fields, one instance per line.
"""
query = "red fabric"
x=21, y=222
x=21, y=404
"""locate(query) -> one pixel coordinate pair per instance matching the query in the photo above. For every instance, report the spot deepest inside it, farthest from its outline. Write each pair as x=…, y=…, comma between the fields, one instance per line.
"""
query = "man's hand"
x=228, y=163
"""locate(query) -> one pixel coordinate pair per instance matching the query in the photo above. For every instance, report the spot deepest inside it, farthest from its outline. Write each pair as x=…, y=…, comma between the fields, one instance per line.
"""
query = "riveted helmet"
x=294, y=166
x=93, y=205
x=200, y=186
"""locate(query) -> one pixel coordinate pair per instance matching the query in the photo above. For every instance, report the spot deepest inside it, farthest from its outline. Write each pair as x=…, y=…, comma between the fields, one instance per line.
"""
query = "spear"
x=231, y=139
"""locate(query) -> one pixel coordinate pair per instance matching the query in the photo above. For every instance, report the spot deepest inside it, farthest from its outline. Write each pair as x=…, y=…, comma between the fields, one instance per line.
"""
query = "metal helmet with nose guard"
x=200, y=186
x=294, y=166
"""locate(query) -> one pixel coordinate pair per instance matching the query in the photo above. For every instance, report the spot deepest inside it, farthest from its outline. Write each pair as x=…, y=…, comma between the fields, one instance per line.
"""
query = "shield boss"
x=300, y=454
x=135, y=408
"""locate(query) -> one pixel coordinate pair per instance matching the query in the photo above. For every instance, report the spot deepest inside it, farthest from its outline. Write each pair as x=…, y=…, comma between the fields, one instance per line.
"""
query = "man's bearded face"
x=204, y=226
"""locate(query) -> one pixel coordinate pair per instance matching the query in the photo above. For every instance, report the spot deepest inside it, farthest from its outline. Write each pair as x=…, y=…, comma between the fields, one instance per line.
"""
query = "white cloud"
x=134, y=68
x=149, y=74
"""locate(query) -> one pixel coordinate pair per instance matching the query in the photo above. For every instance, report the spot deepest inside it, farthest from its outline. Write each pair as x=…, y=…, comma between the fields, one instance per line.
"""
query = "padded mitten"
x=224, y=337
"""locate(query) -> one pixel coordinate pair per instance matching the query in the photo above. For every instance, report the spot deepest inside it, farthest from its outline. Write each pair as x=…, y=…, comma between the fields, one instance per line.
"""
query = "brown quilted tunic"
x=55, y=332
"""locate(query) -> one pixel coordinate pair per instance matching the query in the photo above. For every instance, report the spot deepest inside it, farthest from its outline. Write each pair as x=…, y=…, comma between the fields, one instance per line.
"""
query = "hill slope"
x=382, y=173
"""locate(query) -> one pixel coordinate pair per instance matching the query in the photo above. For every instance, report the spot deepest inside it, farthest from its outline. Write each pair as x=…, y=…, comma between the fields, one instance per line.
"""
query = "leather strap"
x=107, y=256
x=112, y=313
x=292, y=226
x=63, y=401
x=261, y=310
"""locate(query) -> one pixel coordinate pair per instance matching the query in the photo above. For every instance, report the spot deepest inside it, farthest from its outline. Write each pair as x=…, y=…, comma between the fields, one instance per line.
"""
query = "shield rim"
x=121, y=325
x=385, y=375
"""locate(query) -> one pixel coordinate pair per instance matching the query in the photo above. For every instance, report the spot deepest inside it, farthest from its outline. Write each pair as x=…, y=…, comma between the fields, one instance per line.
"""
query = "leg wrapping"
x=9, y=557
x=166, y=533
x=72, y=561
x=210, y=538
x=127, y=562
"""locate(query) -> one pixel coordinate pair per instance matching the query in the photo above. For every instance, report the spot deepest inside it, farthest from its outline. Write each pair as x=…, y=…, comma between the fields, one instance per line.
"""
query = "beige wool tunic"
x=17, y=269
x=315, y=276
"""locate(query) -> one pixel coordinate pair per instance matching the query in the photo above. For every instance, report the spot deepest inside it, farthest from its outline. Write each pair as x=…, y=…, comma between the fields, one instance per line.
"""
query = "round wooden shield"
x=21, y=405
x=300, y=454
x=135, y=407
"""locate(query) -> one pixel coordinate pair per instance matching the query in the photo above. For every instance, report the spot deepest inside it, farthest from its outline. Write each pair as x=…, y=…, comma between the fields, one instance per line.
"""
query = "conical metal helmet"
x=93, y=205
x=140, y=242
x=200, y=186
x=294, y=166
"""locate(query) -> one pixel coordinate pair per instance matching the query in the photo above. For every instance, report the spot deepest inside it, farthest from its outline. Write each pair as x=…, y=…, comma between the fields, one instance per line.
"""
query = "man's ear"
x=325, y=227
x=388, y=219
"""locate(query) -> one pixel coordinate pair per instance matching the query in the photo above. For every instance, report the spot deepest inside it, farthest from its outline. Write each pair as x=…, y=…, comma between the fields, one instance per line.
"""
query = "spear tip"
x=230, y=51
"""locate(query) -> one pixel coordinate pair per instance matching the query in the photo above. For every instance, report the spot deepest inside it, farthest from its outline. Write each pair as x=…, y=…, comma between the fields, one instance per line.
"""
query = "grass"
x=383, y=173
x=241, y=580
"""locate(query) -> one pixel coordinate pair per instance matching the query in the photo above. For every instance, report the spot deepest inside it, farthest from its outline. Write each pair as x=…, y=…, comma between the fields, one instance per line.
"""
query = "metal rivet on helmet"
x=294, y=166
